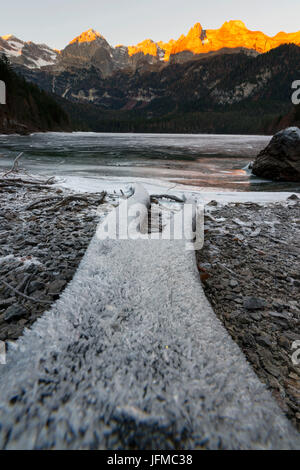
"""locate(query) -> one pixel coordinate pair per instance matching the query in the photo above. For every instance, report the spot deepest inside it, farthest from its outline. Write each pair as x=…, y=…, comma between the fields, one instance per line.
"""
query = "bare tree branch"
x=15, y=167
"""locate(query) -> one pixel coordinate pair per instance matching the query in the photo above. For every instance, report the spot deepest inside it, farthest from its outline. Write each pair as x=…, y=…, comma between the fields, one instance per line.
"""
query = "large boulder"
x=280, y=160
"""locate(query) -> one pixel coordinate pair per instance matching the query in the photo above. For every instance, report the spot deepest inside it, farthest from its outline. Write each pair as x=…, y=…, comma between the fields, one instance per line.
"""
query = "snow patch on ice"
x=155, y=186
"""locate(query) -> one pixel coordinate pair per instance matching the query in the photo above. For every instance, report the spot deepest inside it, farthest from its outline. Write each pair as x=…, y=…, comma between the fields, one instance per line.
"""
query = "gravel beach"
x=250, y=269
x=44, y=233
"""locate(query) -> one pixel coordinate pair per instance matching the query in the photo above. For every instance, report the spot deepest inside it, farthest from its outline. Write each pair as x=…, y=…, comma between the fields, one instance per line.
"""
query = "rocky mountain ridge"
x=27, y=54
x=233, y=89
x=223, y=93
x=91, y=49
x=214, y=81
x=232, y=34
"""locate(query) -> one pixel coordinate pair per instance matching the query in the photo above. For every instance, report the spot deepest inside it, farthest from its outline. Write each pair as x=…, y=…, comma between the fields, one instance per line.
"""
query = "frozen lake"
x=181, y=162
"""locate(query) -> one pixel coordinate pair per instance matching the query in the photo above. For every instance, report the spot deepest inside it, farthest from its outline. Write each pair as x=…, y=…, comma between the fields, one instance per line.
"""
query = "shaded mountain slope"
x=292, y=118
x=28, y=108
x=230, y=93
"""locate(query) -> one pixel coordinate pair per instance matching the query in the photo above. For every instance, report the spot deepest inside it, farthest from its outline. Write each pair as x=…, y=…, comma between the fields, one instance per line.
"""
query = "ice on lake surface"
x=181, y=162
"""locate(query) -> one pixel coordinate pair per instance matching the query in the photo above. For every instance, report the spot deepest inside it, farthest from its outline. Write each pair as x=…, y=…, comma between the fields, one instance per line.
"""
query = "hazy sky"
x=56, y=22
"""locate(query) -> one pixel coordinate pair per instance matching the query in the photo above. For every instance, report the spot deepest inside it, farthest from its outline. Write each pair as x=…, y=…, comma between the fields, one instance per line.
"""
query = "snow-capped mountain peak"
x=90, y=48
x=27, y=53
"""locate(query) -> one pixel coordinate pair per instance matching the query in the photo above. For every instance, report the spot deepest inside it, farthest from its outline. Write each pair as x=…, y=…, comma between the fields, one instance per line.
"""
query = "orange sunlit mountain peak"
x=234, y=24
x=7, y=36
x=196, y=30
x=87, y=36
x=232, y=34
x=146, y=47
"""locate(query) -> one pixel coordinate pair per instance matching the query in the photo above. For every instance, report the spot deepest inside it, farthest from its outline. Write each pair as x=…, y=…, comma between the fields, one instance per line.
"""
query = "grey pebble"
x=14, y=312
x=254, y=303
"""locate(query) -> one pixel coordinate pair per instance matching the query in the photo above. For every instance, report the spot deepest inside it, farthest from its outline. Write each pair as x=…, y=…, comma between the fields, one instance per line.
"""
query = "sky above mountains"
x=56, y=22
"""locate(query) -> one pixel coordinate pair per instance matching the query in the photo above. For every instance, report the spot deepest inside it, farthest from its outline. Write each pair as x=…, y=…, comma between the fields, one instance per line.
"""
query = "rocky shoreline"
x=44, y=233
x=250, y=269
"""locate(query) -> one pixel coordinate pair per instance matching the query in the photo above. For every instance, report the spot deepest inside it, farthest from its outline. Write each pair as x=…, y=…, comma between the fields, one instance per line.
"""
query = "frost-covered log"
x=132, y=356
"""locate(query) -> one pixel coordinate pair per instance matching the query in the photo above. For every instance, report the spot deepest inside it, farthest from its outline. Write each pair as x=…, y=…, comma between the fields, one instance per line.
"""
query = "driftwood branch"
x=78, y=197
x=60, y=202
x=128, y=194
x=50, y=180
x=41, y=202
x=155, y=197
x=15, y=167
x=27, y=297
x=21, y=182
x=72, y=198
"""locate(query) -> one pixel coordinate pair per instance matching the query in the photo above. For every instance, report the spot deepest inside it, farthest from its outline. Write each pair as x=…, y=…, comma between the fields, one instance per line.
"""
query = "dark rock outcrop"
x=280, y=160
